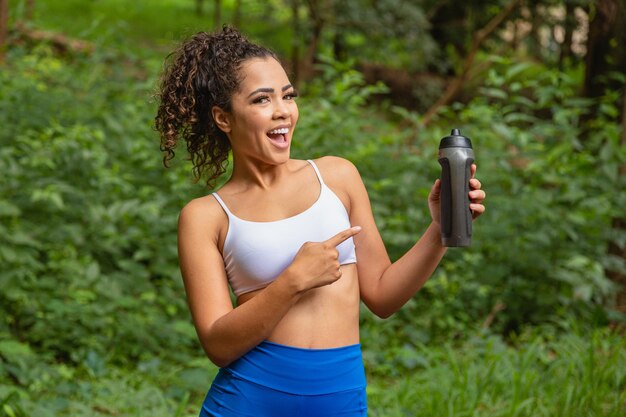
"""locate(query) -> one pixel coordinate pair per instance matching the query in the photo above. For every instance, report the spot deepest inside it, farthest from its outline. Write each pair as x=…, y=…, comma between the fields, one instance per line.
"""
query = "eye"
x=291, y=95
x=261, y=100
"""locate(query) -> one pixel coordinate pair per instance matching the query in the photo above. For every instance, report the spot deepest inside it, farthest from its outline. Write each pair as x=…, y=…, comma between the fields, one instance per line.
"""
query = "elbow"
x=220, y=357
x=219, y=360
x=381, y=311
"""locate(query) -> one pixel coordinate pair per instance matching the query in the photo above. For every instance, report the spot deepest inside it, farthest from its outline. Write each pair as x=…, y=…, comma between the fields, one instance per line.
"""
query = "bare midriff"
x=324, y=317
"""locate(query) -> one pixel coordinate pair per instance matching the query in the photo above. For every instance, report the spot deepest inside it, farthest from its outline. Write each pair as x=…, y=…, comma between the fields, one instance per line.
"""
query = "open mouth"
x=279, y=137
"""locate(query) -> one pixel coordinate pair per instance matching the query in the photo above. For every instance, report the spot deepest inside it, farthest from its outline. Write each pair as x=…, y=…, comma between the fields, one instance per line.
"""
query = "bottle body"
x=456, y=158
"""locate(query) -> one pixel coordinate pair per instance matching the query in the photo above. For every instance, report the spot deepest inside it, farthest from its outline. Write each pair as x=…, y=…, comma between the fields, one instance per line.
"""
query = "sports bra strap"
x=317, y=171
x=219, y=200
x=228, y=212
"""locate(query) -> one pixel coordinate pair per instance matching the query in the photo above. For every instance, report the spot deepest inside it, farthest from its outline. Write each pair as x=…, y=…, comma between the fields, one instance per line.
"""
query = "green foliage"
x=92, y=313
x=541, y=375
x=391, y=31
x=332, y=111
x=126, y=26
x=550, y=164
x=88, y=225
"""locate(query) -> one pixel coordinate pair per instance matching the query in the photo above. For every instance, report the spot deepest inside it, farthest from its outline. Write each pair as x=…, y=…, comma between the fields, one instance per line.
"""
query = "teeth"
x=282, y=131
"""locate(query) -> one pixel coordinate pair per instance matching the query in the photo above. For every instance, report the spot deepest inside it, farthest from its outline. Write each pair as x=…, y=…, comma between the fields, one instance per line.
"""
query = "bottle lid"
x=455, y=140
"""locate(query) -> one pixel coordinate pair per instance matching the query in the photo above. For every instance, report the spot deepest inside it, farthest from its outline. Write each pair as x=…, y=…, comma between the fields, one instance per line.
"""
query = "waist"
x=301, y=371
x=324, y=317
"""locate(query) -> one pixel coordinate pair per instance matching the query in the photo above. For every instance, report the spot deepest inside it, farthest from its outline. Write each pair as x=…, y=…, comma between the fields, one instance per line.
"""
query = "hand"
x=317, y=263
x=476, y=196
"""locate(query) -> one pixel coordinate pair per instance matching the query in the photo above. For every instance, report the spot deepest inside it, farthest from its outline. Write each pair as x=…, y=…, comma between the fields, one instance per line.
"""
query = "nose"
x=281, y=110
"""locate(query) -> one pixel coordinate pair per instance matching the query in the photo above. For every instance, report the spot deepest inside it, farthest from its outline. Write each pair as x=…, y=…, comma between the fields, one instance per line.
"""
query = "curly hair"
x=202, y=72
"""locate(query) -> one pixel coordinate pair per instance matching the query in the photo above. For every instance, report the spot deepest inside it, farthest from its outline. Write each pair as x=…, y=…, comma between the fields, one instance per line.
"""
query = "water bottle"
x=456, y=158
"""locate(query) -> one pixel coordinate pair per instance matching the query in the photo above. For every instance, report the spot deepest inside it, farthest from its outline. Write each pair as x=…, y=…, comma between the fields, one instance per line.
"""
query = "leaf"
x=518, y=68
x=8, y=209
x=12, y=350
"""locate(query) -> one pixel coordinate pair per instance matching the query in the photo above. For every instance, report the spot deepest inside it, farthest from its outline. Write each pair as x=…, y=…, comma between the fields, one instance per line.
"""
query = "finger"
x=342, y=236
x=477, y=210
x=475, y=184
x=473, y=170
x=477, y=196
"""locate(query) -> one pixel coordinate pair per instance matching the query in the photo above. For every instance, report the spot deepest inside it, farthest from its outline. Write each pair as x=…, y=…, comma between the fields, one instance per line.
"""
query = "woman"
x=294, y=240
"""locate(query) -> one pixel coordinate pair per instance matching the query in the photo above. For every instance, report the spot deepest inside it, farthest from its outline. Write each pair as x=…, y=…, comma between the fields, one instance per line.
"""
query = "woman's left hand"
x=476, y=196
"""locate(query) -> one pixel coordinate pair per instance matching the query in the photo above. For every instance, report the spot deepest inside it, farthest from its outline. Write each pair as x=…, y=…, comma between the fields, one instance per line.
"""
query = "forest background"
x=528, y=321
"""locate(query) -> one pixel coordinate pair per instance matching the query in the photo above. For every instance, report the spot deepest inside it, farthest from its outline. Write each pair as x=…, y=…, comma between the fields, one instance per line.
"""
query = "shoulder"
x=343, y=178
x=336, y=170
x=203, y=214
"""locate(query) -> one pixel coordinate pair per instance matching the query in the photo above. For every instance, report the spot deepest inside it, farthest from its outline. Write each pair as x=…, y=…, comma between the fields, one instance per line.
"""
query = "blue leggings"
x=275, y=380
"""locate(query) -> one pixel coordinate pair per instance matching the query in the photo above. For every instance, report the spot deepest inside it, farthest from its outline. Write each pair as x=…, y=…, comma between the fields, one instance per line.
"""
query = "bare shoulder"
x=202, y=214
x=342, y=176
x=337, y=171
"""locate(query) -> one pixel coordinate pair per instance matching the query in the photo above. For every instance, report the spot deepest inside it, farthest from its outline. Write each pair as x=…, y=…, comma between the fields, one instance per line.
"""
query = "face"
x=263, y=115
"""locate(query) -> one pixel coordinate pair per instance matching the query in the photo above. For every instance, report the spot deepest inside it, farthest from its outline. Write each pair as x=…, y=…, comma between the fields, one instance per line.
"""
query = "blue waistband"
x=301, y=371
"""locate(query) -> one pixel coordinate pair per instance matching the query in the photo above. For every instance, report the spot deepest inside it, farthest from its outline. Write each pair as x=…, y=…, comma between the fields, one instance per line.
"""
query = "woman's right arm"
x=227, y=333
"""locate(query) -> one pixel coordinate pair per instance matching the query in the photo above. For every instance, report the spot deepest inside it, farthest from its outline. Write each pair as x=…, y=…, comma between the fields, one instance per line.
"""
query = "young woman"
x=294, y=240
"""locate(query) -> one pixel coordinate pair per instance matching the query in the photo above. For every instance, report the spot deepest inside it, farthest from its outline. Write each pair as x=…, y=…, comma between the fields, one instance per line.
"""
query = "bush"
x=90, y=285
x=87, y=239
x=550, y=165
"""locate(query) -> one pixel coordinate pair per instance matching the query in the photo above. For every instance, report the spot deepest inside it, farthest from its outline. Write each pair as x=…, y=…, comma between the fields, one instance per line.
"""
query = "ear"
x=221, y=118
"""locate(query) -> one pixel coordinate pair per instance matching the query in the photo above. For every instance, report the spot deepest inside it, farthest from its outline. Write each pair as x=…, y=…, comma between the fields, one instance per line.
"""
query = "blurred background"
x=528, y=321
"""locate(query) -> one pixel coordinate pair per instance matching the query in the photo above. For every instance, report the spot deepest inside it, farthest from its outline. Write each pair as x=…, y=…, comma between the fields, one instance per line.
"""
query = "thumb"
x=435, y=191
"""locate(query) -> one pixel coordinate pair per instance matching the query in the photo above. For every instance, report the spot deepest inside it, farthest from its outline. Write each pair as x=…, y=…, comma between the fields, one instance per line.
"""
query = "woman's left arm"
x=385, y=286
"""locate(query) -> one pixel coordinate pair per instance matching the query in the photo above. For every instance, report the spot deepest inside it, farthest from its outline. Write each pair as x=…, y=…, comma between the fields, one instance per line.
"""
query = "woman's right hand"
x=317, y=263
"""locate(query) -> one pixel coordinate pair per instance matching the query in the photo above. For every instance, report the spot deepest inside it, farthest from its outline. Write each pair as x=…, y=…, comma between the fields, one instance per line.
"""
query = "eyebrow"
x=268, y=90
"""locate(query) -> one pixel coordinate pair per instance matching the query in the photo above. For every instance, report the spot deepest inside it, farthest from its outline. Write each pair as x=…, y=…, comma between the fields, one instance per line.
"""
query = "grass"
x=572, y=375
x=539, y=374
x=568, y=375
x=150, y=28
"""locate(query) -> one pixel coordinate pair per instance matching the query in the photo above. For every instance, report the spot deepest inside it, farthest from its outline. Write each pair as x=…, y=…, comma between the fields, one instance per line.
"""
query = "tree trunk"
x=536, y=20
x=620, y=224
x=59, y=41
x=606, y=53
x=217, y=14
x=237, y=14
x=339, y=47
x=604, y=30
x=199, y=4
x=295, y=41
x=4, y=28
x=449, y=27
x=30, y=10
x=316, y=14
x=569, y=24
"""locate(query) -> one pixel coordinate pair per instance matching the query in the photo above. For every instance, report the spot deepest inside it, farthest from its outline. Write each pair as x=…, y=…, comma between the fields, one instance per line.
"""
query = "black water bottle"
x=456, y=158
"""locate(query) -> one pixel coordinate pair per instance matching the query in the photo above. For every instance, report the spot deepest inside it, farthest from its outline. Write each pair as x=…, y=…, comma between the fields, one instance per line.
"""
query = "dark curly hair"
x=202, y=72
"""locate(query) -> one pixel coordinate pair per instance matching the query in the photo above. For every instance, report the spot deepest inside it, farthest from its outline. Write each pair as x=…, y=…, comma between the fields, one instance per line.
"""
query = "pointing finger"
x=342, y=236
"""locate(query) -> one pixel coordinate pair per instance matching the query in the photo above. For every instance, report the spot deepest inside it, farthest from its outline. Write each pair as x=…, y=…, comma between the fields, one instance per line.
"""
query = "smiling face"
x=263, y=113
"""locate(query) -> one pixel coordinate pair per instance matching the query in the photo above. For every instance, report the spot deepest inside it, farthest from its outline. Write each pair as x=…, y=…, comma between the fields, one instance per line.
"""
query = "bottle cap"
x=455, y=140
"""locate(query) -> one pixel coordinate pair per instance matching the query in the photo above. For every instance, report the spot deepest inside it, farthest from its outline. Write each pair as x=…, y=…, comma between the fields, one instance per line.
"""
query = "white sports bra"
x=255, y=253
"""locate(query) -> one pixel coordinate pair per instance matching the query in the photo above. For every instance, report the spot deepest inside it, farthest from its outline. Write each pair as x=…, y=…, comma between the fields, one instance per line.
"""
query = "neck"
x=255, y=173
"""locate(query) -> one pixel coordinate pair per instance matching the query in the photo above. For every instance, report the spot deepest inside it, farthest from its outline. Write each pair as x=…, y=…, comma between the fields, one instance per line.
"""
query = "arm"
x=385, y=287
x=227, y=333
